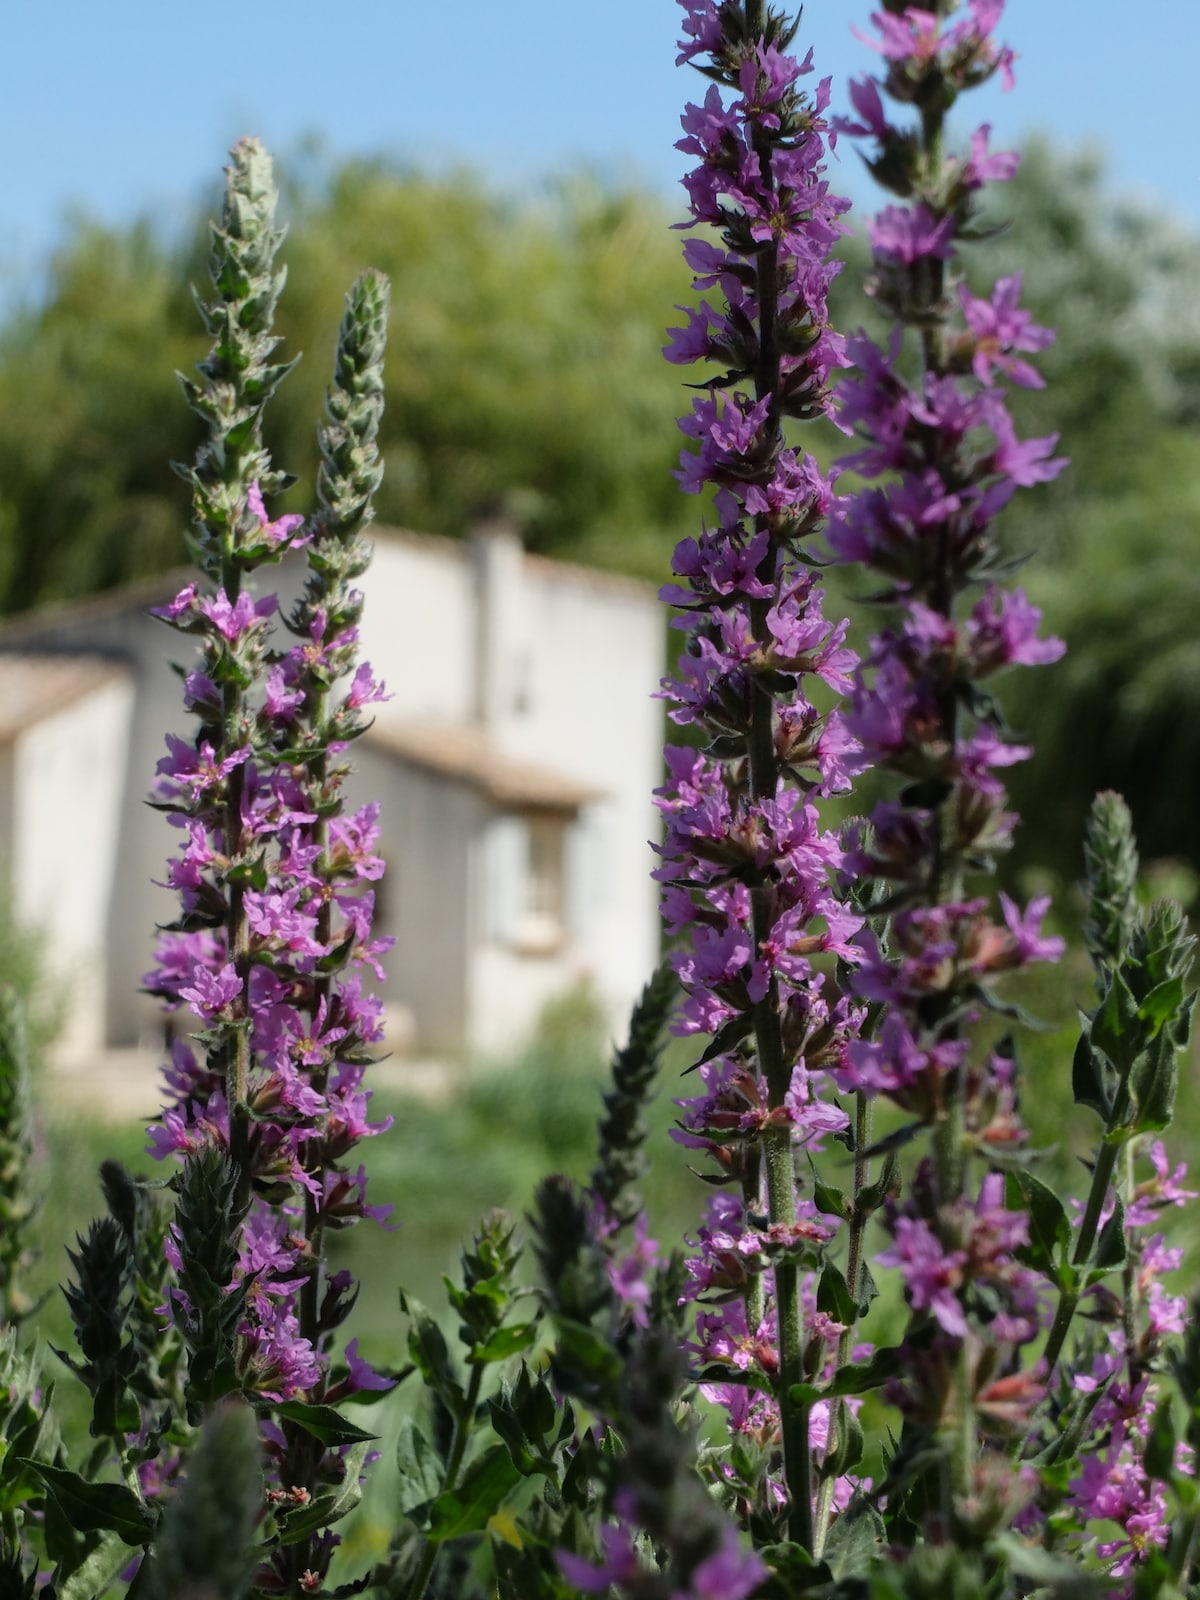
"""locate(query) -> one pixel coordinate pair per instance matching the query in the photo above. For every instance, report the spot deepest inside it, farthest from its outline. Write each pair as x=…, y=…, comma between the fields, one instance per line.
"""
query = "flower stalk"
x=747, y=870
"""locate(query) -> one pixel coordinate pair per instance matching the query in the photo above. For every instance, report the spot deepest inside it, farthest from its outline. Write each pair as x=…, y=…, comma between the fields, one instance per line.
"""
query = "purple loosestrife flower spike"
x=276, y=880
x=238, y=377
x=332, y=856
x=943, y=450
x=748, y=873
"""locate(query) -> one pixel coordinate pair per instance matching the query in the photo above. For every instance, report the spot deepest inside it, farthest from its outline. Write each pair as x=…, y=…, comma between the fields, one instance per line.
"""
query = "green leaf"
x=330, y=1507
x=582, y=1349
x=1045, y=1569
x=325, y=1423
x=1158, y=1457
x=1162, y=1002
x=97, y=1507
x=831, y=1202
x=96, y=1571
x=848, y=1451
x=834, y=1297
x=1111, y=1247
x=1114, y=1028
x=421, y=1468
x=858, y=1377
x=1087, y=1078
x=429, y=1351
x=506, y=1341
x=854, y=1541
x=1049, y=1227
x=1153, y=1083
x=466, y=1509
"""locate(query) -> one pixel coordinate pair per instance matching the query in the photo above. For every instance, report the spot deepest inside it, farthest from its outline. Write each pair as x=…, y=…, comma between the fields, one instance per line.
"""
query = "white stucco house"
x=514, y=765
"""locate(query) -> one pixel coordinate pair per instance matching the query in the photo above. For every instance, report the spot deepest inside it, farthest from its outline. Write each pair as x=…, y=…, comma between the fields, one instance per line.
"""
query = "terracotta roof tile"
x=466, y=753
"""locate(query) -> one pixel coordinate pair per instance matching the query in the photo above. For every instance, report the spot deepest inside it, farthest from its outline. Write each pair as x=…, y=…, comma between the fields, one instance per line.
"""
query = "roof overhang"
x=466, y=754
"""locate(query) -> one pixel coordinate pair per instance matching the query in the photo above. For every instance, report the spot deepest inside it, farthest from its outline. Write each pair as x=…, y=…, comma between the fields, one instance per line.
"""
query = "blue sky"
x=129, y=106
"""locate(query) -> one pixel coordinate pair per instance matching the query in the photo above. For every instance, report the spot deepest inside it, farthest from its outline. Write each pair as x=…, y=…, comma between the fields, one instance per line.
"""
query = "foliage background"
x=524, y=370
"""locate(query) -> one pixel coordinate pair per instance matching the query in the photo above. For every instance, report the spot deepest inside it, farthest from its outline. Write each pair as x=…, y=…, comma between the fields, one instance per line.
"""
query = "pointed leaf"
x=1049, y=1227
x=421, y=1468
x=1087, y=1079
x=330, y=1507
x=1114, y=1028
x=96, y=1571
x=325, y=1423
x=507, y=1341
x=1111, y=1246
x=831, y=1202
x=97, y=1507
x=468, y=1508
x=428, y=1349
x=1153, y=1083
x=1162, y=1002
x=854, y=1541
x=834, y=1297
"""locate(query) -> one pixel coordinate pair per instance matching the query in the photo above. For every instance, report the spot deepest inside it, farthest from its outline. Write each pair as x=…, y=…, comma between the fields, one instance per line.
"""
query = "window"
x=525, y=880
x=540, y=923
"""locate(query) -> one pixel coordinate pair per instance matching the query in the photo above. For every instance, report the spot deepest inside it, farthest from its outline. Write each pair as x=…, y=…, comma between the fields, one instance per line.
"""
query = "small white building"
x=514, y=765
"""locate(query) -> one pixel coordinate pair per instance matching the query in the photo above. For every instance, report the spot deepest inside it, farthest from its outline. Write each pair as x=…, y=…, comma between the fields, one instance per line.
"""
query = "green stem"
x=863, y=1109
x=237, y=929
x=462, y=1429
x=1068, y=1297
x=797, y=1456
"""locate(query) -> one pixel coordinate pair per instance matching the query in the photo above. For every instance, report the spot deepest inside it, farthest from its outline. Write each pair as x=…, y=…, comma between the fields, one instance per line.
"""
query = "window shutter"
x=584, y=868
x=505, y=862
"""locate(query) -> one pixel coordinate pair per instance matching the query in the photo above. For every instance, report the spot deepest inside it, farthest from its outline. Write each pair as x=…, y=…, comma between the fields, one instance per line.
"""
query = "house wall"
x=427, y=829
x=416, y=629
x=595, y=662
x=559, y=665
x=7, y=770
x=144, y=838
x=512, y=976
x=68, y=783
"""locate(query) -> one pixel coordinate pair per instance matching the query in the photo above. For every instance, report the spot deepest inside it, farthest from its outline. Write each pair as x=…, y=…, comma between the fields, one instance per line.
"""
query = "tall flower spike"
x=276, y=880
x=944, y=451
x=238, y=377
x=747, y=870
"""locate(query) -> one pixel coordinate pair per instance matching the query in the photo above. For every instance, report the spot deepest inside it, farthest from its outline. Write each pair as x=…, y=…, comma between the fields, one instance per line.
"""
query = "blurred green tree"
x=524, y=368
x=1116, y=537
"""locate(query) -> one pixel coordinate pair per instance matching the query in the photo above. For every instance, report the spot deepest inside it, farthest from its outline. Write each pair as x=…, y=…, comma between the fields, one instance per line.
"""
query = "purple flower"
x=984, y=168
x=907, y=235
x=629, y=1274
x=618, y=1563
x=365, y=690
x=730, y=1573
x=866, y=100
x=280, y=702
x=210, y=992
x=1025, y=928
x=234, y=619
x=1026, y=461
x=278, y=533
x=999, y=327
x=363, y=1376
x=931, y=1272
x=183, y=602
x=1153, y=1195
x=200, y=768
